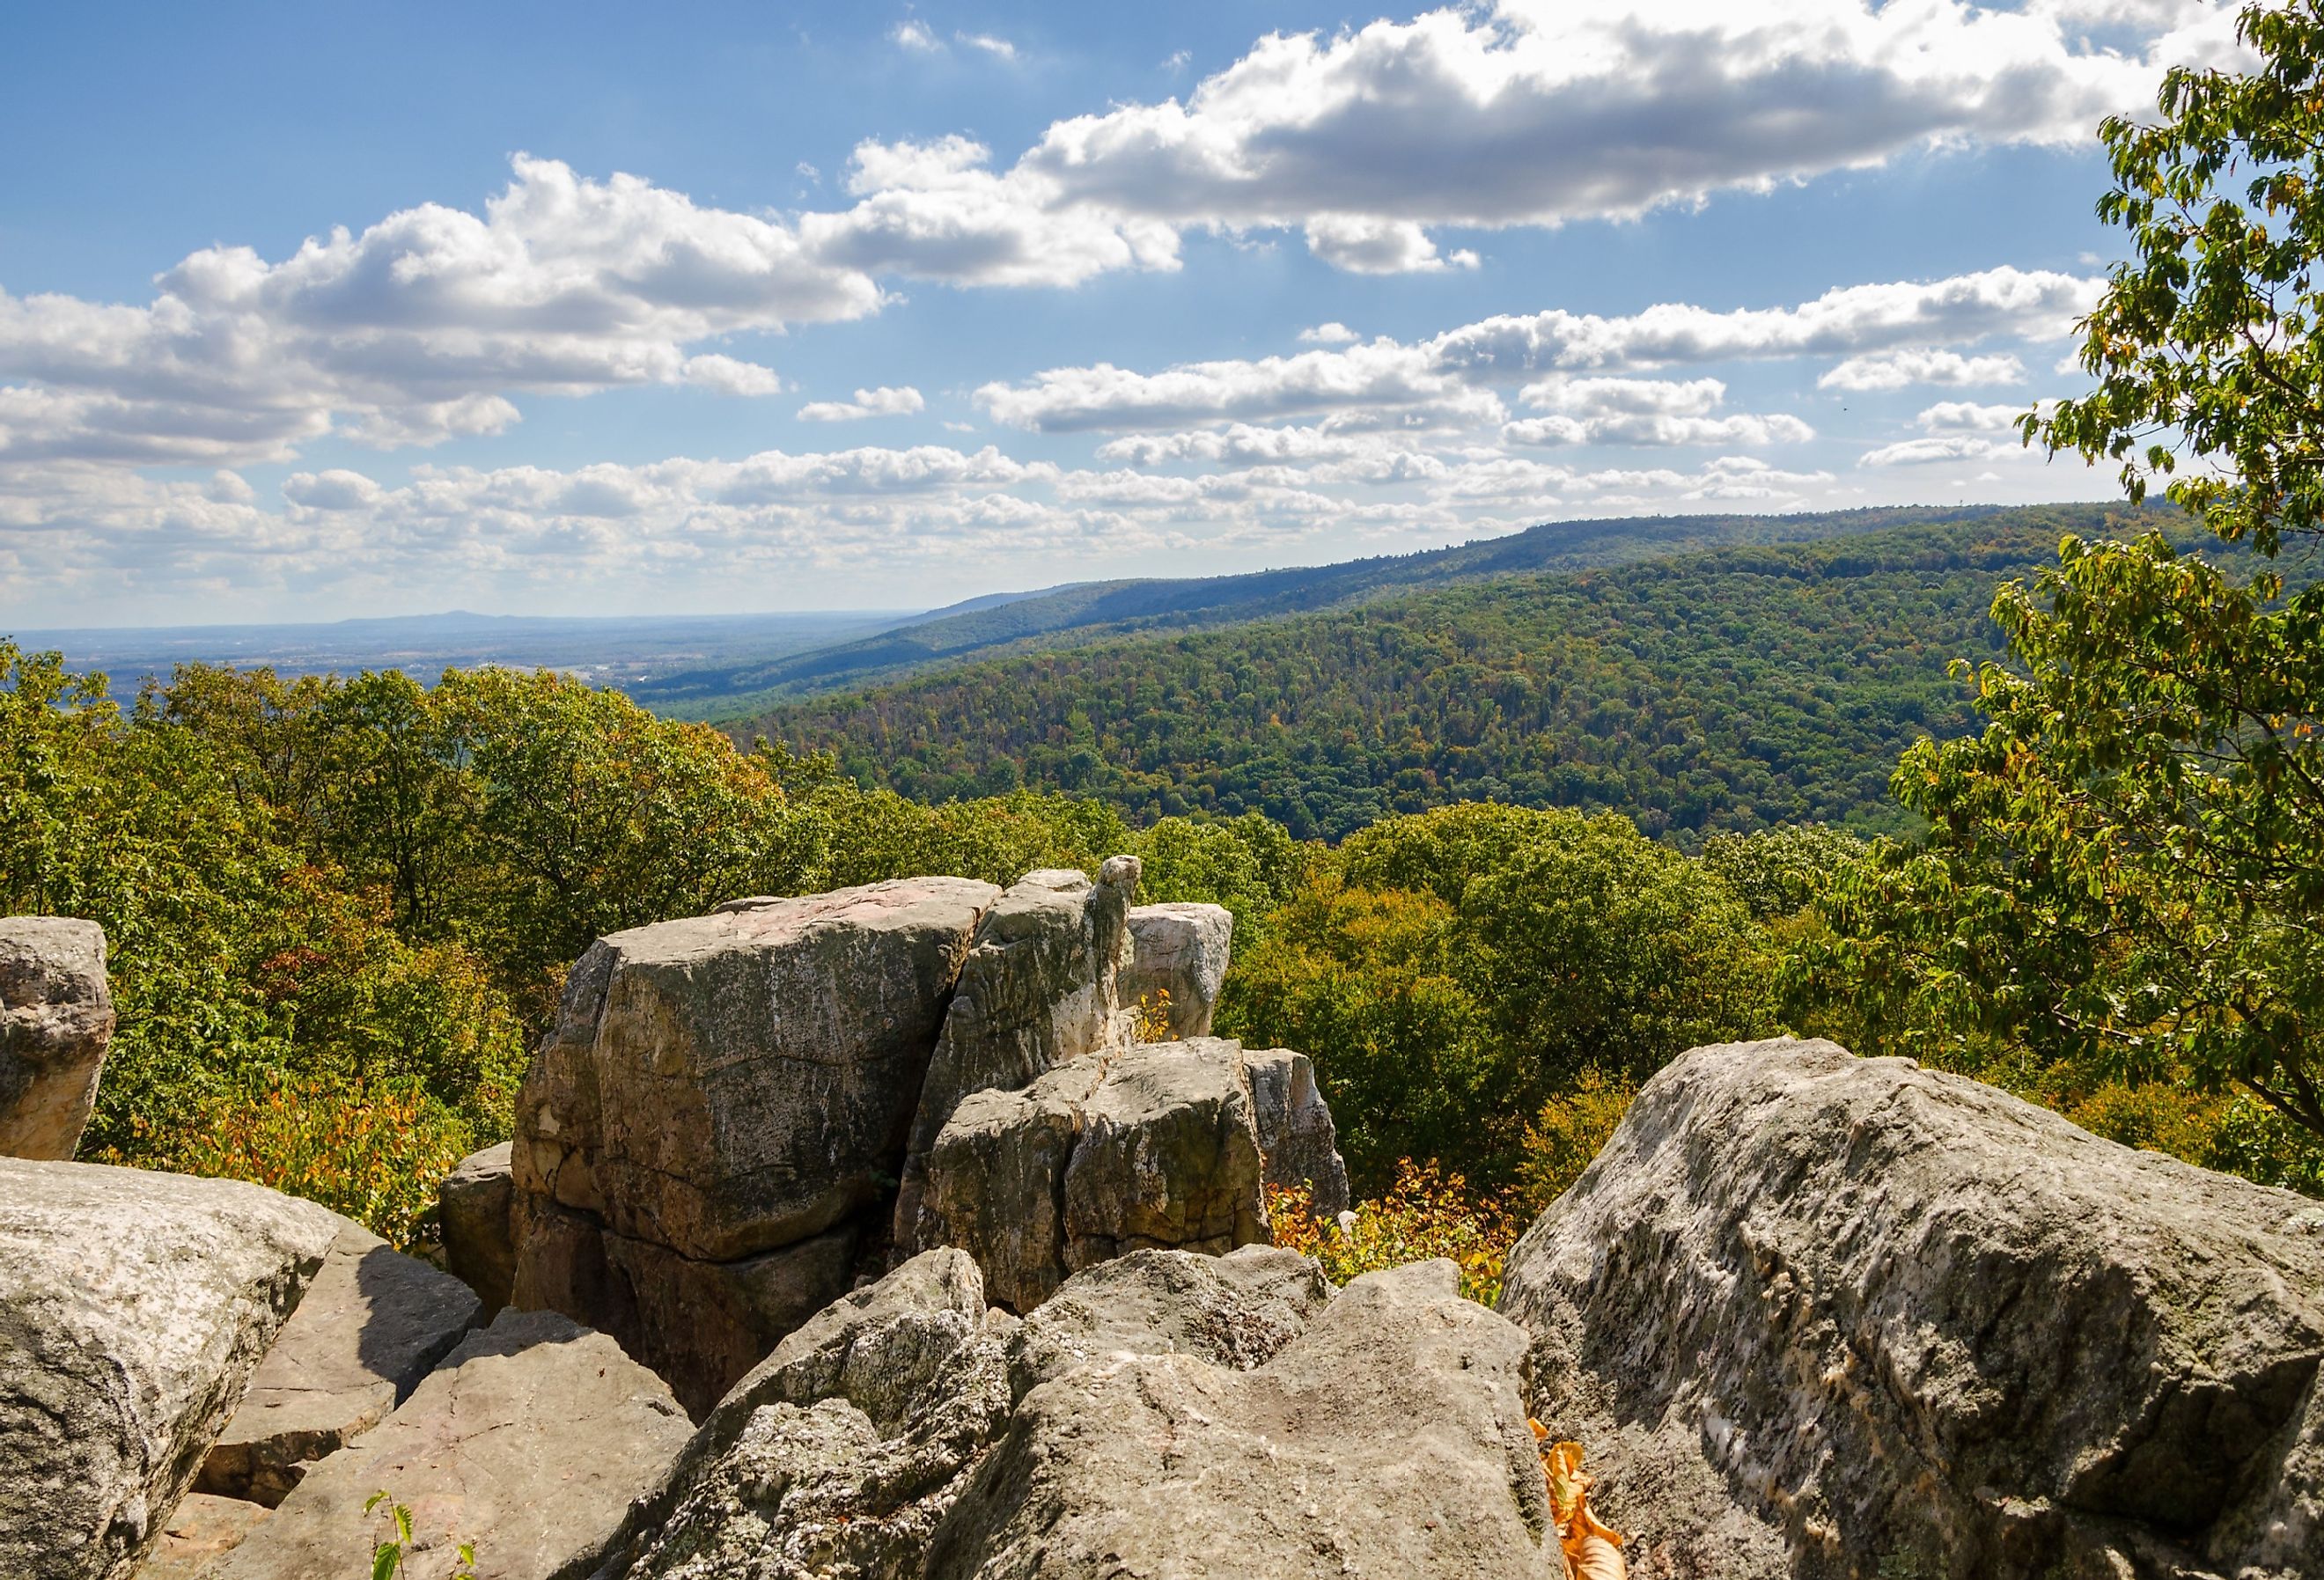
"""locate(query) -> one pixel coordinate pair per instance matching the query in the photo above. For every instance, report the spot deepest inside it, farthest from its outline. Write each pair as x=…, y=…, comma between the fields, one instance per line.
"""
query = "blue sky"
x=607, y=308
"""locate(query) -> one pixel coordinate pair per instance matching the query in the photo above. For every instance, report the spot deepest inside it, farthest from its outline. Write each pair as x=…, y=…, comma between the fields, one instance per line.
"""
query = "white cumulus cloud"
x=883, y=401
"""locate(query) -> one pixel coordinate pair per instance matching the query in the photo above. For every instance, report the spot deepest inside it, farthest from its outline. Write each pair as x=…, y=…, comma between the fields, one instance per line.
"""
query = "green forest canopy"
x=1735, y=689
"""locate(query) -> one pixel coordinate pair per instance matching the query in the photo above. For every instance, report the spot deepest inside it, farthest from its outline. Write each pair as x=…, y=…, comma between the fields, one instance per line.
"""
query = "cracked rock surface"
x=1818, y=1316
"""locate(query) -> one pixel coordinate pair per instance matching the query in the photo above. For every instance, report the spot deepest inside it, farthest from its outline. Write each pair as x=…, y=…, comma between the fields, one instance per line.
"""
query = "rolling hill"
x=1724, y=689
x=1089, y=612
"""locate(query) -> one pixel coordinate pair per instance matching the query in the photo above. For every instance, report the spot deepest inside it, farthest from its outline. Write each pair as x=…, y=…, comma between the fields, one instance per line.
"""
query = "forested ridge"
x=1733, y=689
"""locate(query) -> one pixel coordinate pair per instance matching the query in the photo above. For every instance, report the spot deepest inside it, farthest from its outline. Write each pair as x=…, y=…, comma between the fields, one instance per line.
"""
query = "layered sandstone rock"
x=1154, y=1146
x=369, y=1326
x=475, y=1208
x=1178, y=961
x=56, y=1020
x=134, y=1308
x=720, y=1101
x=1040, y=989
x=1818, y=1316
x=1295, y=1128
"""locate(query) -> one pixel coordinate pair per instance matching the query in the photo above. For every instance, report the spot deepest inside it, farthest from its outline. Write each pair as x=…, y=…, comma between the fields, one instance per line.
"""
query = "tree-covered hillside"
x=1091, y=612
x=1731, y=690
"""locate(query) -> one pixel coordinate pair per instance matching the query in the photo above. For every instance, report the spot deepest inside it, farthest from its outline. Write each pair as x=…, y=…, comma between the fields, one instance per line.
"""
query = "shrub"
x=1569, y=1132
x=373, y=1152
x=1428, y=1214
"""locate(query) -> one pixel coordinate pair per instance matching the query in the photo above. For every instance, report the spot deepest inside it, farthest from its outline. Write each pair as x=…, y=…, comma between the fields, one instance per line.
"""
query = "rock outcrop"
x=475, y=1208
x=720, y=1101
x=1040, y=988
x=531, y=1440
x=370, y=1326
x=1179, y=949
x=1824, y=1316
x=1164, y=1414
x=1295, y=1128
x=1153, y=1146
x=56, y=1019
x=200, y=1530
x=134, y=1308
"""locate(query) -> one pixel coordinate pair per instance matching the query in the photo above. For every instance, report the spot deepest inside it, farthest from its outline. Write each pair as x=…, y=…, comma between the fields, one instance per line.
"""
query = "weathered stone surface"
x=1386, y=1439
x=994, y=1183
x=476, y=1207
x=700, y=1325
x=1237, y=1310
x=1040, y=988
x=529, y=1441
x=56, y=1019
x=841, y=1454
x=1167, y=1157
x=197, y=1530
x=724, y=1085
x=372, y=1325
x=1820, y=1316
x=720, y=1101
x=1295, y=1128
x=1180, y=949
x=134, y=1307
x=1151, y=1147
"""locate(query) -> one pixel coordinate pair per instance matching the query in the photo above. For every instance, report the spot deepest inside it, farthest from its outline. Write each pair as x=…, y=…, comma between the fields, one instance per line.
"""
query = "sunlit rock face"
x=1822, y=1316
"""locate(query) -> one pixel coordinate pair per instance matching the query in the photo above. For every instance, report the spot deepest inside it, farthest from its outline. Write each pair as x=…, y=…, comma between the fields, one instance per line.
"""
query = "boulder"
x=529, y=1442
x=1237, y=1311
x=1388, y=1438
x=1295, y=1129
x=56, y=1019
x=856, y=1446
x=1040, y=988
x=1179, y=949
x=475, y=1205
x=1154, y=1146
x=373, y=1323
x=842, y=1453
x=199, y=1530
x=1818, y=1316
x=134, y=1308
x=717, y=1091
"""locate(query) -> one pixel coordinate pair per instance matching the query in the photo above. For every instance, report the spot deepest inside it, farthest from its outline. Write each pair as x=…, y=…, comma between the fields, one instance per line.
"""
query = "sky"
x=594, y=309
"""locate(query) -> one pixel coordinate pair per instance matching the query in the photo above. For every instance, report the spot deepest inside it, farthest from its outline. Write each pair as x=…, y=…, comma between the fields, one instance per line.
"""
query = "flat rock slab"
x=373, y=1323
x=529, y=1441
x=134, y=1308
x=1818, y=1316
x=199, y=1531
x=56, y=1020
x=475, y=1208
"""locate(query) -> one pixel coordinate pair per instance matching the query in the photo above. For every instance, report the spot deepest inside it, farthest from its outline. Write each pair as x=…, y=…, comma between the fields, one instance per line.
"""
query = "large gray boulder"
x=134, y=1308
x=1163, y=1414
x=373, y=1323
x=475, y=1206
x=531, y=1441
x=1040, y=988
x=56, y=1020
x=1295, y=1128
x=844, y=1451
x=1388, y=1439
x=1818, y=1316
x=722, y=1090
x=1154, y=1146
x=1179, y=948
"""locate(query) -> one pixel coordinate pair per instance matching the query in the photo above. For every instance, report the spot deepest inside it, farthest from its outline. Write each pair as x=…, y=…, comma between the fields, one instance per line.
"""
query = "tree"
x=2124, y=871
